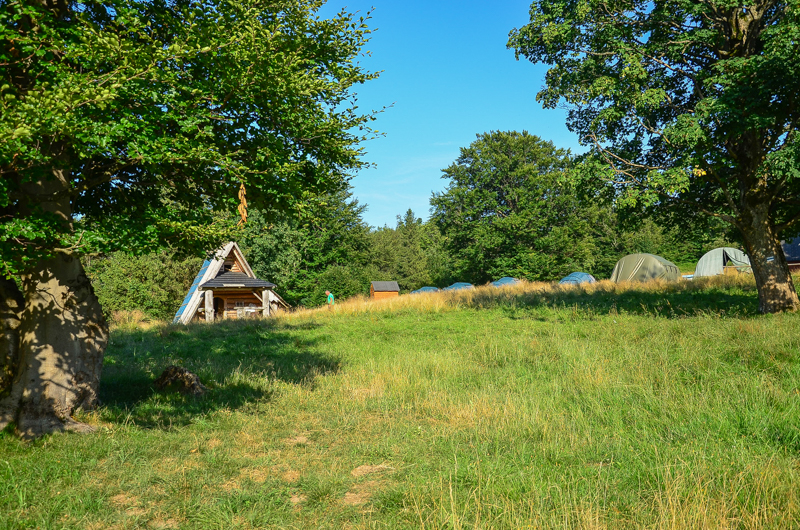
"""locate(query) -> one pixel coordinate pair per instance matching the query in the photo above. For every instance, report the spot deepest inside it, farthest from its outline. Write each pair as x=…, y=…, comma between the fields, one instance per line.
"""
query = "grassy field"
x=666, y=406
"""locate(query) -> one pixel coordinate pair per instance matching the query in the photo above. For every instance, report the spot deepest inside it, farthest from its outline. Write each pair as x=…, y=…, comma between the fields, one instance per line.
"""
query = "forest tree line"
x=515, y=205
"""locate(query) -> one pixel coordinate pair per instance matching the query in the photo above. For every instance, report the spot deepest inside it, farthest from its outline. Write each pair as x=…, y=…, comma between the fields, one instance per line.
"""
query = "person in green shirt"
x=330, y=298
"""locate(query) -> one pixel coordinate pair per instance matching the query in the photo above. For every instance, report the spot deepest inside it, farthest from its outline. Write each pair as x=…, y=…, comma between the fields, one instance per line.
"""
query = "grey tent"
x=714, y=261
x=505, y=280
x=644, y=267
x=577, y=278
x=459, y=285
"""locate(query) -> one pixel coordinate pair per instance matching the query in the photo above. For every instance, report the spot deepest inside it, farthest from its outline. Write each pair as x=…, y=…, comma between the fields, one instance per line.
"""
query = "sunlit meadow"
x=533, y=406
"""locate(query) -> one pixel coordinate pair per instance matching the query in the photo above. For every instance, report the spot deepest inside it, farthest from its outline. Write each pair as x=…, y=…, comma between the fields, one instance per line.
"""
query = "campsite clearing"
x=662, y=405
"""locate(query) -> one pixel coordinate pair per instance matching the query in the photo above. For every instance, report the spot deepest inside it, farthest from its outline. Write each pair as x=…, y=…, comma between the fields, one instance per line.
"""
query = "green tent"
x=644, y=267
x=714, y=262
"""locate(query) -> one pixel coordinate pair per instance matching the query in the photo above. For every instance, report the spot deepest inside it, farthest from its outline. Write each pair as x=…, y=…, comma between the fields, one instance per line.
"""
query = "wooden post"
x=209, y=306
x=265, y=303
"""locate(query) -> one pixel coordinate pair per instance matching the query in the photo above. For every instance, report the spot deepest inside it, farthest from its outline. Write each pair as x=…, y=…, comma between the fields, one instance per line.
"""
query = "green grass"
x=673, y=406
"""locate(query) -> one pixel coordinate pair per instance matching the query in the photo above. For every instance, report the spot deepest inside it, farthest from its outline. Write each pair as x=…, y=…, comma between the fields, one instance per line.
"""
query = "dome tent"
x=714, y=261
x=505, y=280
x=459, y=285
x=644, y=267
x=426, y=289
x=577, y=278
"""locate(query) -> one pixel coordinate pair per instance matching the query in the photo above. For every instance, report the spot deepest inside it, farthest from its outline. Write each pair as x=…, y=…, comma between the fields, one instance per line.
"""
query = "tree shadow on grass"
x=239, y=362
x=717, y=297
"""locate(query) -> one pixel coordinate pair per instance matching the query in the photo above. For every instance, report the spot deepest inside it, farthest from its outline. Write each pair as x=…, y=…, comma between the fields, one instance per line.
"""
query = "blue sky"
x=448, y=76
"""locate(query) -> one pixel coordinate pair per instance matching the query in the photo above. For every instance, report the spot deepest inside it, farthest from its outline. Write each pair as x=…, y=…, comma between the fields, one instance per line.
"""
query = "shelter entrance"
x=219, y=308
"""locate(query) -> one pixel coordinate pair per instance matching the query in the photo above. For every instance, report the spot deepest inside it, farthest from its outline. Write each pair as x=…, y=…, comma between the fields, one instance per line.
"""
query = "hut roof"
x=385, y=287
x=235, y=279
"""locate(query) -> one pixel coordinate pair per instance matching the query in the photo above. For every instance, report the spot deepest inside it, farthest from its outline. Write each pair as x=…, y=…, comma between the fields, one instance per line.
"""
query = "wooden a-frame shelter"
x=226, y=288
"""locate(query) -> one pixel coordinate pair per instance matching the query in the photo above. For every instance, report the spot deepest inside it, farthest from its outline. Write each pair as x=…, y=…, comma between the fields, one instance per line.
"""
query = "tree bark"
x=11, y=304
x=62, y=332
x=63, y=335
x=776, y=292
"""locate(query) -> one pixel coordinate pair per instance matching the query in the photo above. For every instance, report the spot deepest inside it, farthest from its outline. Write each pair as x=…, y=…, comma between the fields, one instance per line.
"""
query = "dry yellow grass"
x=521, y=293
x=531, y=406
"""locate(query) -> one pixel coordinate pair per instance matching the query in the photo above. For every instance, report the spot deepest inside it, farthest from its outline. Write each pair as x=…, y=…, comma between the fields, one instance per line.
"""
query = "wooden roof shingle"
x=235, y=279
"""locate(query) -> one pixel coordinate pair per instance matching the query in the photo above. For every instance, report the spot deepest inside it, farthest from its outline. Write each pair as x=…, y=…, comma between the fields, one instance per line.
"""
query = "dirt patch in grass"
x=164, y=524
x=231, y=485
x=102, y=525
x=364, y=470
x=258, y=475
x=157, y=490
x=171, y=466
x=297, y=498
x=361, y=493
x=291, y=476
x=124, y=500
x=129, y=503
x=300, y=439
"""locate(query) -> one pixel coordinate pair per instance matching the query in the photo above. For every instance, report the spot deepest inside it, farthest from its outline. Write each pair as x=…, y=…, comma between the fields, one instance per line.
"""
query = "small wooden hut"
x=380, y=290
x=226, y=288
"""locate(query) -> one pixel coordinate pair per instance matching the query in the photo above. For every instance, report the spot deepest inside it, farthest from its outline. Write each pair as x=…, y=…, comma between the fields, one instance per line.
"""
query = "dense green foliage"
x=330, y=247
x=533, y=224
x=505, y=212
x=665, y=408
x=149, y=115
x=515, y=207
x=412, y=253
x=691, y=104
x=681, y=96
x=326, y=247
x=152, y=283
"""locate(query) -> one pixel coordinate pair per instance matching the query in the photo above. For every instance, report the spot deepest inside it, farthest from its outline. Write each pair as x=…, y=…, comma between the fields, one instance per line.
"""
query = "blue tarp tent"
x=577, y=278
x=459, y=285
x=507, y=280
x=426, y=290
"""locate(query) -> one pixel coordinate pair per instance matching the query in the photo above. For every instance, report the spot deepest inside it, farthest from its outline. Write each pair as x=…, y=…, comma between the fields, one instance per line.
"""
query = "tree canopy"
x=154, y=113
x=690, y=103
x=126, y=125
x=325, y=247
x=508, y=212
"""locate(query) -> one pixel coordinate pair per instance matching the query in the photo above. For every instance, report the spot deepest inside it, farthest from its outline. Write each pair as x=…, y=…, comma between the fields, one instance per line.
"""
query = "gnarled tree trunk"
x=62, y=333
x=62, y=337
x=776, y=290
x=11, y=304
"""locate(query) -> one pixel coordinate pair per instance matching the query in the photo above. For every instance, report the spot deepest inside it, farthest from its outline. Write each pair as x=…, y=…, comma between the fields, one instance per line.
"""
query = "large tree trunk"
x=63, y=335
x=776, y=290
x=11, y=304
x=62, y=332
